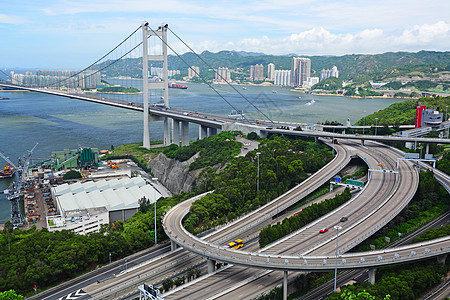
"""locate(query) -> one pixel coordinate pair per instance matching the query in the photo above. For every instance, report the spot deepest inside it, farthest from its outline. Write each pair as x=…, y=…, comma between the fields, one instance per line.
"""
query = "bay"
x=59, y=123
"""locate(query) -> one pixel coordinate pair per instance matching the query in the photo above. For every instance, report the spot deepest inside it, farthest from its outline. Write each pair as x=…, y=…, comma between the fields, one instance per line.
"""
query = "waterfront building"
x=191, y=72
x=58, y=79
x=158, y=72
x=300, y=70
x=310, y=81
x=223, y=74
x=282, y=77
x=327, y=73
x=271, y=72
x=257, y=72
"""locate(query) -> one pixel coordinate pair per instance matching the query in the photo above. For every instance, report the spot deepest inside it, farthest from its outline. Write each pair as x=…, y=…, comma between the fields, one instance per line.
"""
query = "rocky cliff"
x=173, y=174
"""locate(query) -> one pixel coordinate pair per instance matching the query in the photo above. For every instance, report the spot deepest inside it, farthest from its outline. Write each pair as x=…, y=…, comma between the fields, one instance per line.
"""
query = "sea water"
x=59, y=123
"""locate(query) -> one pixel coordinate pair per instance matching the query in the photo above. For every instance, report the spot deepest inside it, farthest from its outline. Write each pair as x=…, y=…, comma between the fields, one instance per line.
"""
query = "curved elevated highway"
x=381, y=200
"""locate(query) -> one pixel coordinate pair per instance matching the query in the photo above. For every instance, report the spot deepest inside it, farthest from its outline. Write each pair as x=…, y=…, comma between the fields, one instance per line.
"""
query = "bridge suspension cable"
x=100, y=59
x=236, y=90
x=179, y=56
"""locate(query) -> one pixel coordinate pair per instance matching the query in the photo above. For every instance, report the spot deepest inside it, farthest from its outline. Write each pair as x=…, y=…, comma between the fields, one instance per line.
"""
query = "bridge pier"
x=184, y=133
x=212, y=131
x=202, y=132
x=362, y=142
x=176, y=132
x=442, y=258
x=372, y=273
x=173, y=245
x=166, y=131
x=427, y=149
x=285, y=285
x=211, y=266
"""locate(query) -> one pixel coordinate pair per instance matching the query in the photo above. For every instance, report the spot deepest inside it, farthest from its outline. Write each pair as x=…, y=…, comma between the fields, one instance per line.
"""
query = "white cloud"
x=5, y=19
x=320, y=41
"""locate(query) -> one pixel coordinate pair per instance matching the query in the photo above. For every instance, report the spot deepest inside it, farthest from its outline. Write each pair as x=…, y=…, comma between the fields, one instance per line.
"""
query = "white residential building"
x=271, y=71
x=282, y=77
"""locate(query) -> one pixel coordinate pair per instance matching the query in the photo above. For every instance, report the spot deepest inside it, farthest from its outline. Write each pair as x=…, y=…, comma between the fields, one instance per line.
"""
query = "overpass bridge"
x=306, y=250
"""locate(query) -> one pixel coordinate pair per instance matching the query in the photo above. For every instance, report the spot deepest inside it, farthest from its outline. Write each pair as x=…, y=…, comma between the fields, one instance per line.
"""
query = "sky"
x=66, y=34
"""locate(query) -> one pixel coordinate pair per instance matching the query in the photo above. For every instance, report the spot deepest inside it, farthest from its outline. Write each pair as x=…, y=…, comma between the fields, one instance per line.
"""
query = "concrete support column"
x=211, y=266
x=372, y=276
x=331, y=187
x=184, y=133
x=173, y=245
x=362, y=142
x=285, y=285
x=212, y=131
x=442, y=258
x=176, y=132
x=166, y=132
x=202, y=132
x=427, y=149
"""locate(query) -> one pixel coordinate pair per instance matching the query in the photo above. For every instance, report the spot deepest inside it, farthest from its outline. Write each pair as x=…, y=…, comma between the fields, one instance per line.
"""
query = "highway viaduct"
x=286, y=255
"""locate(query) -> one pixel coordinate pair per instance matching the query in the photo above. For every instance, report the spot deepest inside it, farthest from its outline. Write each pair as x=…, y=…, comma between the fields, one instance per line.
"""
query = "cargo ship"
x=7, y=172
x=177, y=86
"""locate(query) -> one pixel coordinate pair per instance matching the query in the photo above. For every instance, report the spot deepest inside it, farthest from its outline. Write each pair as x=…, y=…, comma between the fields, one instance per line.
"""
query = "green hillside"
x=404, y=113
x=357, y=67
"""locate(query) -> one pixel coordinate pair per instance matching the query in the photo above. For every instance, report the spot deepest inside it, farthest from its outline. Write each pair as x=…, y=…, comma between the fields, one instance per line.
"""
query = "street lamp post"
x=257, y=176
x=376, y=125
x=446, y=117
x=154, y=196
x=335, y=267
x=364, y=121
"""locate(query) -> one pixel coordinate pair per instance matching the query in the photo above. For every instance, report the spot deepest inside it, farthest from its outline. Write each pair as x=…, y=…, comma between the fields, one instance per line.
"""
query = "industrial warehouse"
x=85, y=206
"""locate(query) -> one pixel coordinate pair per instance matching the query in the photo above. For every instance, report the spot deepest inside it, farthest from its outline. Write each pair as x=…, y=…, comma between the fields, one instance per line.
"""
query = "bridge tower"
x=161, y=33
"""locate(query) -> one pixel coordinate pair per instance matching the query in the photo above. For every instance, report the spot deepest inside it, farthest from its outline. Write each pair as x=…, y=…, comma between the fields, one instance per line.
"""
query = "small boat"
x=299, y=97
x=310, y=102
x=274, y=92
x=7, y=172
x=244, y=88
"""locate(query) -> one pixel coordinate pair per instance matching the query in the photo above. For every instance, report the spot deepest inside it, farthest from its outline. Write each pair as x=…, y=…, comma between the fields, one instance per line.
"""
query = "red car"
x=323, y=230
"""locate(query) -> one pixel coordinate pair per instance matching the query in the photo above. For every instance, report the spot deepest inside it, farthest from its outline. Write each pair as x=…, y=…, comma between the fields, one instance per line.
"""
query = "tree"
x=72, y=174
x=179, y=281
x=144, y=205
x=167, y=284
x=10, y=295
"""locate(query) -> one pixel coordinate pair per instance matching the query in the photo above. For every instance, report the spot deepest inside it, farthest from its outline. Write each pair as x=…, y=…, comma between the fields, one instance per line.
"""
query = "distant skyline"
x=72, y=34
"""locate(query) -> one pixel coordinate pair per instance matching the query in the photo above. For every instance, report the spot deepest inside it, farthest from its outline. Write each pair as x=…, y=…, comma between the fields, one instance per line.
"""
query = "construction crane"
x=14, y=193
x=8, y=161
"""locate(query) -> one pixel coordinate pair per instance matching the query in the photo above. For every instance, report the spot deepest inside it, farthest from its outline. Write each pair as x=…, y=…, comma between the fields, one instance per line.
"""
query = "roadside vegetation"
x=284, y=163
x=310, y=213
x=38, y=257
x=430, y=201
x=403, y=113
x=217, y=149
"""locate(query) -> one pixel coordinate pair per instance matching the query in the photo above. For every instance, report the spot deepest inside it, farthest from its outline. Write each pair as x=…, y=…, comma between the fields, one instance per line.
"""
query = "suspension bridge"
x=128, y=64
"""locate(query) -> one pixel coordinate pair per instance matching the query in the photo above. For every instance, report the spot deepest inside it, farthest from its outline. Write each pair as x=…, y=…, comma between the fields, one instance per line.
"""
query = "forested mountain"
x=358, y=67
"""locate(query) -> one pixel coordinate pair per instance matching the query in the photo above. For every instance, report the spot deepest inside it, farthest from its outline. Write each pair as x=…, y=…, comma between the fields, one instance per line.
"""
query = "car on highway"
x=343, y=219
x=323, y=230
x=236, y=244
